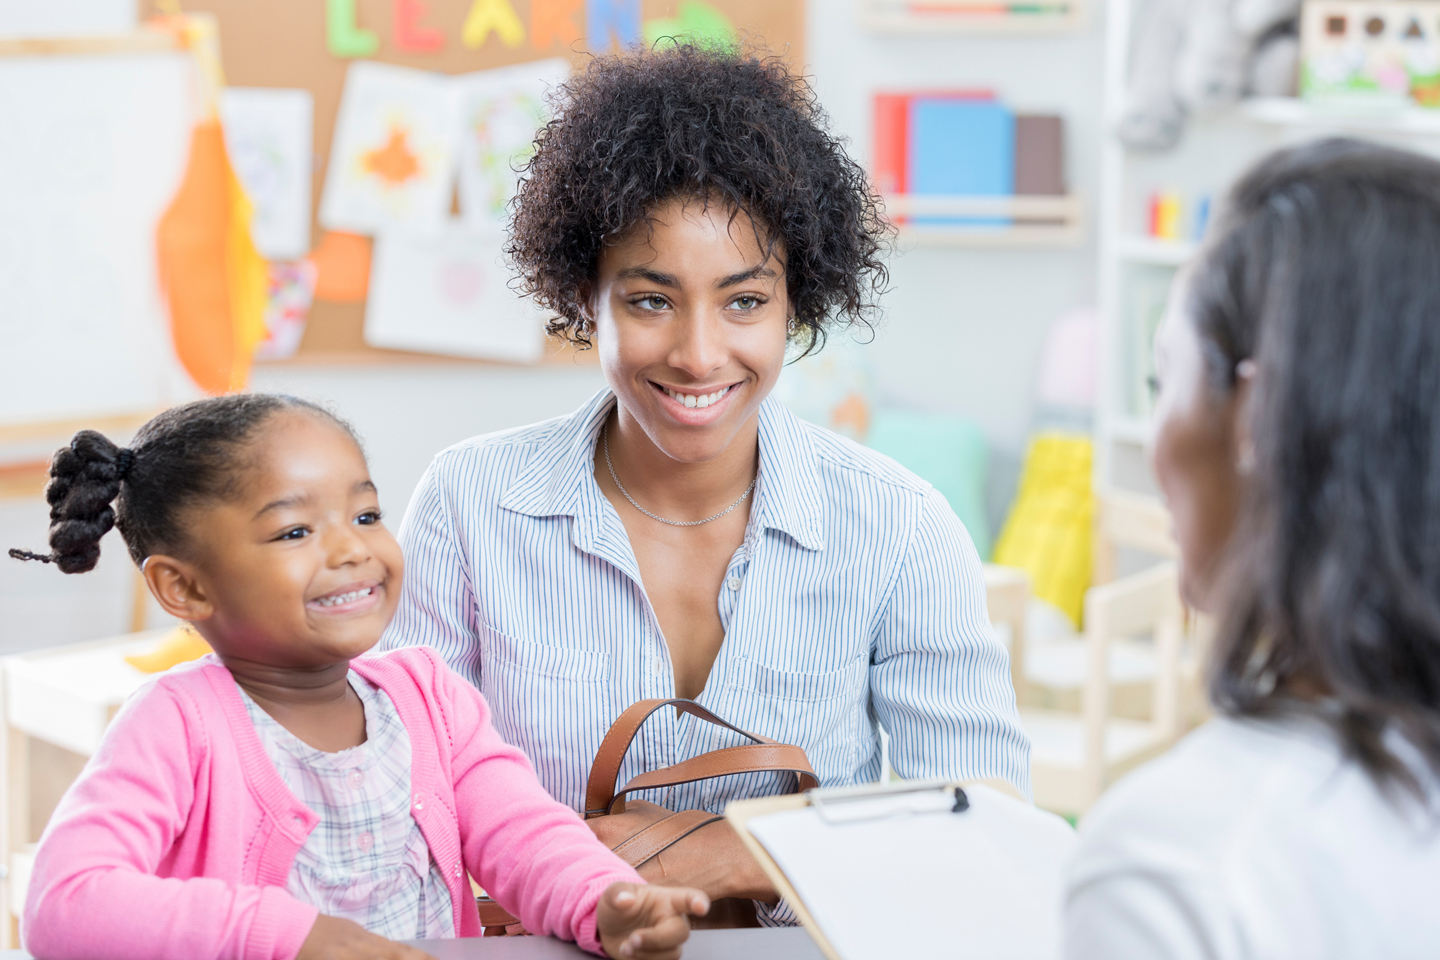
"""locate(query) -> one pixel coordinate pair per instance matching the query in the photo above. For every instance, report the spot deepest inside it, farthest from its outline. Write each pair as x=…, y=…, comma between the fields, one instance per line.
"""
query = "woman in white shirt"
x=1298, y=445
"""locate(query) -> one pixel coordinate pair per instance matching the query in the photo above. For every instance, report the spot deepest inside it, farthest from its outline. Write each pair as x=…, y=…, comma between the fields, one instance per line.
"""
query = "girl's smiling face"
x=691, y=322
x=295, y=568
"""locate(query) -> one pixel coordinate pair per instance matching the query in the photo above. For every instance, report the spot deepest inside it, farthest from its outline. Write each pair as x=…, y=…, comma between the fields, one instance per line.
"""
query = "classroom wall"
x=961, y=334
x=964, y=326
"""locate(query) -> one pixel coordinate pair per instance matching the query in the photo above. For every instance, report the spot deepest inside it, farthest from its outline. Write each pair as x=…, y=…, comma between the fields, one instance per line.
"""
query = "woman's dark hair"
x=636, y=130
x=185, y=456
x=1326, y=273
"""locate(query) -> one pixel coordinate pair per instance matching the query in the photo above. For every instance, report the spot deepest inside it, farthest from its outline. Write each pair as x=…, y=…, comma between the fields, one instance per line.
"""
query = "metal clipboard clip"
x=827, y=803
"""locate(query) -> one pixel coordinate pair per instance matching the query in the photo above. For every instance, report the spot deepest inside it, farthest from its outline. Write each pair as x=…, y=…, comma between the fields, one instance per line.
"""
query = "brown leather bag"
x=659, y=828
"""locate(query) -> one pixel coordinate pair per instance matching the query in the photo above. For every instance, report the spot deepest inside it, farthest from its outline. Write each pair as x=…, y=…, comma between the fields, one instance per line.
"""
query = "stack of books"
x=965, y=143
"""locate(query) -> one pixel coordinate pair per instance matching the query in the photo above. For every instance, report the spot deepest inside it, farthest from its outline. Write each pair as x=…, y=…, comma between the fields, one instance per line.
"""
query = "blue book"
x=961, y=147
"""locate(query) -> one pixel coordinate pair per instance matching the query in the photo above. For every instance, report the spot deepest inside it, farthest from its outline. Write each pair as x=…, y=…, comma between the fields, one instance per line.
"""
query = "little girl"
x=281, y=798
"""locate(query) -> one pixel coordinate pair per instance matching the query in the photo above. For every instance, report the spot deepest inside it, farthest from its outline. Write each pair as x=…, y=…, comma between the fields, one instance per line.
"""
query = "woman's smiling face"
x=691, y=321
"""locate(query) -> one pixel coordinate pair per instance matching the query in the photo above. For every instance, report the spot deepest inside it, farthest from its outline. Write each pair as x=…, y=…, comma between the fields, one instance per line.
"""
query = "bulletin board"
x=283, y=43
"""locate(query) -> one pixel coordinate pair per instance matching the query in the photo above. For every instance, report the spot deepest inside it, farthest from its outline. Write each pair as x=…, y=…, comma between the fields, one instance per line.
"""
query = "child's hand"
x=641, y=922
x=335, y=939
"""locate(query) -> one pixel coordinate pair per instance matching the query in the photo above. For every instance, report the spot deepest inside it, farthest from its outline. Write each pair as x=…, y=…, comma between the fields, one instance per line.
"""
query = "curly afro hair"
x=641, y=128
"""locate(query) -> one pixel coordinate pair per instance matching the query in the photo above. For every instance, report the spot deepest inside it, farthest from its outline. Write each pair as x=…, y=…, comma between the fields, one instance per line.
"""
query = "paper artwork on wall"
x=291, y=291
x=392, y=157
x=500, y=112
x=268, y=137
x=92, y=152
x=450, y=293
x=58, y=18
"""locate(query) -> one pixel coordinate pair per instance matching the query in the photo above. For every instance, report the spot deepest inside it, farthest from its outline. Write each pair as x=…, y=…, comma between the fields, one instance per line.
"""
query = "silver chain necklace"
x=674, y=523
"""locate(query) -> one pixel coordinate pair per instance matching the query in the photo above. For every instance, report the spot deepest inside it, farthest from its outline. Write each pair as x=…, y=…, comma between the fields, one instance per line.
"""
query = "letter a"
x=496, y=15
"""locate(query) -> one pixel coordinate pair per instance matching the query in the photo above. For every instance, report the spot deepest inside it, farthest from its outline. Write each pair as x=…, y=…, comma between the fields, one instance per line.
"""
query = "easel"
x=23, y=476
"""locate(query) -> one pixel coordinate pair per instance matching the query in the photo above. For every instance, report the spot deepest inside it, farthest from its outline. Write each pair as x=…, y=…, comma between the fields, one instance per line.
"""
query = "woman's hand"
x=638, y=922
x=335, y=939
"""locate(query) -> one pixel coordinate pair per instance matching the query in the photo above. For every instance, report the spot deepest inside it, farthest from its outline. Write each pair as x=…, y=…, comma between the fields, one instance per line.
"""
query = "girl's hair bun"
x=84, y=482
x=184, y=456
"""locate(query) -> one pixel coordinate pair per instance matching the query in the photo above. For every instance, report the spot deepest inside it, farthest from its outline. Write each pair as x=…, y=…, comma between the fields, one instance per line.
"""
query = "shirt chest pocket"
x=822, y=713
x=508, y=654
x=539, y=693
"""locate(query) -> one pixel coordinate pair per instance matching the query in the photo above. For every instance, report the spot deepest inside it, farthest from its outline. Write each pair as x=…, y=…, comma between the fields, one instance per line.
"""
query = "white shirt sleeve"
x=1140, y=912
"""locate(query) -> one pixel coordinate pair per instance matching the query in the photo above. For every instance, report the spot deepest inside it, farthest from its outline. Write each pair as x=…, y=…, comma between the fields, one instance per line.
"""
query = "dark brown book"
x=1039, y=156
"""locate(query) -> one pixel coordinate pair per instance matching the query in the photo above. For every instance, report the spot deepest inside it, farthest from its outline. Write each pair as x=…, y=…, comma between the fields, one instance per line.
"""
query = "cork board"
x=283, y=43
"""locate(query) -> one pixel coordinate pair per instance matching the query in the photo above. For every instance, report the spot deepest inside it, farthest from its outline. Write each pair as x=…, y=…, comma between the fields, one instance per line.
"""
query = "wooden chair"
x=1128, y=687
x=1007, y=596
x=1076, y=756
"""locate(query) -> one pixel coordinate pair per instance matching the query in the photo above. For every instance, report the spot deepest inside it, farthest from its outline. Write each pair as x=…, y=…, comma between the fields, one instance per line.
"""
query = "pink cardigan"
x=177, y=840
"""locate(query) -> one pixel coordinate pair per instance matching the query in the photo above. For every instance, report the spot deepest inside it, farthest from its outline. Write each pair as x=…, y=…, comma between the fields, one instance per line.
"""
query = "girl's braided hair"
x=185, y=456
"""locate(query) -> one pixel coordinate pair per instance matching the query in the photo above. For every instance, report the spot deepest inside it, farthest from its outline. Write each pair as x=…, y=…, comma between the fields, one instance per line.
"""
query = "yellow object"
x=249, y=277
x=180, y=645
x=1167, y=217
x=1051, y=528
x=492, y=15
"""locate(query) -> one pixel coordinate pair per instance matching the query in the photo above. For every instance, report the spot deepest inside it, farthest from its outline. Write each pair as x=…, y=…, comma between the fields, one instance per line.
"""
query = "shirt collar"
x=788, y=495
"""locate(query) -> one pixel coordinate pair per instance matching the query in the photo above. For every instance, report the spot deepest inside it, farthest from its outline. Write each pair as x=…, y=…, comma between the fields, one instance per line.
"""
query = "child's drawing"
x=392, y=160
x=500, y=113
x=291, y=291
x=267, y=134
x=450, y=294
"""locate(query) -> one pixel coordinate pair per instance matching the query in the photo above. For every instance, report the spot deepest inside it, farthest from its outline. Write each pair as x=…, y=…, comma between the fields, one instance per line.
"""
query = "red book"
x=892, y=112
x=892, y=135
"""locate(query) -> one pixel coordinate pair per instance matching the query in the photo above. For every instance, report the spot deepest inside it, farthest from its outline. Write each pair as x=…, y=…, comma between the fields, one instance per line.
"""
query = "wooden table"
x=790, y=943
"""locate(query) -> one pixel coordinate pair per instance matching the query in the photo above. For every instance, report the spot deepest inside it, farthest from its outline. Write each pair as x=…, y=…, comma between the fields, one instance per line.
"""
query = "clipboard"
x=1045, y=840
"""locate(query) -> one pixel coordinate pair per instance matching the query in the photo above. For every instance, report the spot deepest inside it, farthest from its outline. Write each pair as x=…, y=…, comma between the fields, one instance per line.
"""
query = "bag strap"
x=727, y=762
x=761, y=755
x=662, y=833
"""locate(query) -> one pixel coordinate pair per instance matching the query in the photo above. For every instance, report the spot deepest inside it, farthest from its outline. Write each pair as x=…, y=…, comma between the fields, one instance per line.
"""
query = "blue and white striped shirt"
x=856, y=597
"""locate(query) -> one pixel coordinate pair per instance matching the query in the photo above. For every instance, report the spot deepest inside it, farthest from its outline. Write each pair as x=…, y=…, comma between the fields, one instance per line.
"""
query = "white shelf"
x=1039, y=221
x=1134, y=431
x=1165, y=253
x=931, y=17
x=1363, y=118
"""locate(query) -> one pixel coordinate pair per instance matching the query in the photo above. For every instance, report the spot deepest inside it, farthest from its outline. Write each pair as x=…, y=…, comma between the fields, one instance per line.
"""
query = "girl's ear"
x=176, y=586
x=1245, y=372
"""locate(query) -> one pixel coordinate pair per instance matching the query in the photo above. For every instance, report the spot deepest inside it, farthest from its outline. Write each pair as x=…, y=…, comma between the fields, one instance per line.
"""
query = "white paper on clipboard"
x=901, y=875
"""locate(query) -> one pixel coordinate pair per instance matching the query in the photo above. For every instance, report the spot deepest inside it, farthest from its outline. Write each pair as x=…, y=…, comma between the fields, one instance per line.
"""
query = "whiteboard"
x=92, y=150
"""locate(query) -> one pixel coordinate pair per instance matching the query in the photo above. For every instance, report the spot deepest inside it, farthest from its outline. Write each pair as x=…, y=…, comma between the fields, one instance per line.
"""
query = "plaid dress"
x=366, y=860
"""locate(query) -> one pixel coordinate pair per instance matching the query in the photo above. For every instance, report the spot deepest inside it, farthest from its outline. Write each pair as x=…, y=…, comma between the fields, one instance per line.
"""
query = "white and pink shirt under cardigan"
x=178, y=839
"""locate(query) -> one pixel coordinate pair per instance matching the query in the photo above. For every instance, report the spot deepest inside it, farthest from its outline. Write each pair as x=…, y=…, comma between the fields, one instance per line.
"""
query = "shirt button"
x=733, y=583
x=354, y=778
x=365, y=841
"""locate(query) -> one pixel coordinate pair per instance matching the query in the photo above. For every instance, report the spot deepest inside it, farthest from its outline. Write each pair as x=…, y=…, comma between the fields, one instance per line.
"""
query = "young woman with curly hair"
x=688, y=213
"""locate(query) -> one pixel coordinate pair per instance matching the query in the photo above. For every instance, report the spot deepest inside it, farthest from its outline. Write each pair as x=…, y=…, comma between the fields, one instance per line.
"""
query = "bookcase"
x=1136, y=271
x=974, y=16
